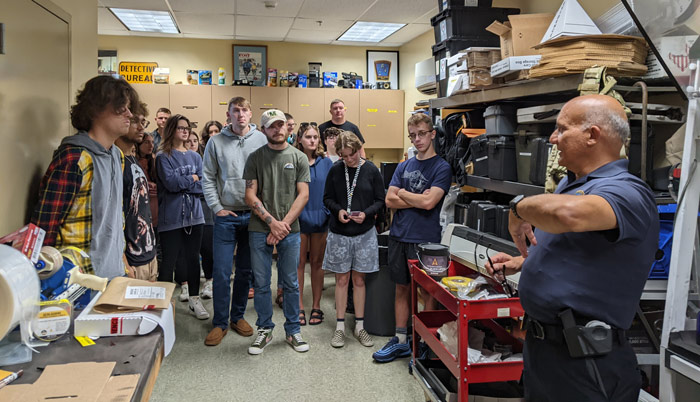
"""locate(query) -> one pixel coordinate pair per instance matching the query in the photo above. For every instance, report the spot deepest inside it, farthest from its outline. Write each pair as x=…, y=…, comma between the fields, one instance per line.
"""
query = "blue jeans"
x=230, y=231
x=287, y=261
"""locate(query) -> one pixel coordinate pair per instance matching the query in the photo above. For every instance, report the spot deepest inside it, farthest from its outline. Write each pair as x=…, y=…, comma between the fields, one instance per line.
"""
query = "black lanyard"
x=351, y=189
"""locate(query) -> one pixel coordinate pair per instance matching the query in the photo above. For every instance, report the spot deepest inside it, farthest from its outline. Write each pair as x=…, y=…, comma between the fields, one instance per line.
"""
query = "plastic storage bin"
x=502, y=214
x=659, y=269
x=500, y=119
x=472, y=213
x=502, y=161
x=479, y=149
x=486, y=218
x=469, y=21
x=443, y=4
x=450, y=47
x=538, y=164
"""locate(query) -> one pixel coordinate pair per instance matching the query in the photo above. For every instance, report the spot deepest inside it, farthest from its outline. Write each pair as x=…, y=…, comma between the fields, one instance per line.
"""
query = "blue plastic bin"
x=659, y=269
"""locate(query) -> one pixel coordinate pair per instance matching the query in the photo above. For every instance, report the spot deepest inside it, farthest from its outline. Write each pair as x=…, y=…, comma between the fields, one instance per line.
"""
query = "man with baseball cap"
x=277, y=177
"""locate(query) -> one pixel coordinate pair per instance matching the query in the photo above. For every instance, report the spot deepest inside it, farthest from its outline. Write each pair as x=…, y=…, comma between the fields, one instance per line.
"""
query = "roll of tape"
x=19, y=291
x=53, y=320
x=53, y=260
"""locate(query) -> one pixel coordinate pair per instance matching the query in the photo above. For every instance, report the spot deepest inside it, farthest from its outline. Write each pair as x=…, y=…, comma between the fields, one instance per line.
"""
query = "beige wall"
x=83, y=40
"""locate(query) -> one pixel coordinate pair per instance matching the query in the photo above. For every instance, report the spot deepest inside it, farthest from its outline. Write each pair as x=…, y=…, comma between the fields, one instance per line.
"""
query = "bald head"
x=602, y=111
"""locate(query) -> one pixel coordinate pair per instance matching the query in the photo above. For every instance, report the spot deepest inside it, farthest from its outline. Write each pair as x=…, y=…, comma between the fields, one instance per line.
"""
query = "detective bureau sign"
x=137, y=73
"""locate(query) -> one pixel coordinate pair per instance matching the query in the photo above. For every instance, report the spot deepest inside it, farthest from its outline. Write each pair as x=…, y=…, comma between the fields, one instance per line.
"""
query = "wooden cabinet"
x=155, y=96
x=381, y=118
x=220, y=97
x=351, y=99
x=264, y=98
x=307, y=105
x=193, y=102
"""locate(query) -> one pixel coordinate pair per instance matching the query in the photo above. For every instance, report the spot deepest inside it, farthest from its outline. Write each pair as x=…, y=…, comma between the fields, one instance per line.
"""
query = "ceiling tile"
x=320, y=9
x=390, y=44
x=329, y=25
x=397, y=11
x=257, y=38
x=107, y=21
x=208, y=6
x=157, y=5
x=425, y=18
x=214, y=24
x=262, y=27
x=408, y=32
x=114, y=32
x=207, y=36
x=284, y=8
x=310, y=36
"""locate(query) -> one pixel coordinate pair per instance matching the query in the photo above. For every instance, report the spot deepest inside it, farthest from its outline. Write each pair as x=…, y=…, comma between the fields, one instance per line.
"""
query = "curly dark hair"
x=98, y=94
x=205, y=131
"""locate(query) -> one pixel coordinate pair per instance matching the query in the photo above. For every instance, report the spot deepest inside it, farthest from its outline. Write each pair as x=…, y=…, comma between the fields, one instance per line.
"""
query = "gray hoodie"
x=107, y=238
x=224, y=161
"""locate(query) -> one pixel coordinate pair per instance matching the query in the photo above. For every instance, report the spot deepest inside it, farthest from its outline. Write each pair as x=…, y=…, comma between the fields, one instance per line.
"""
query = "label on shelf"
x=503, y=312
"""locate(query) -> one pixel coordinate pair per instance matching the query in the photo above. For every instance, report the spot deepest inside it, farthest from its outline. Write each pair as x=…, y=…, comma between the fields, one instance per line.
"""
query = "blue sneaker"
x=392, y=350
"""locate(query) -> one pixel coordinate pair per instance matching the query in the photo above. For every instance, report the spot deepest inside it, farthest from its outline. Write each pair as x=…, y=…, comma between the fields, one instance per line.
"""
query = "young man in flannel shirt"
x=81, y=193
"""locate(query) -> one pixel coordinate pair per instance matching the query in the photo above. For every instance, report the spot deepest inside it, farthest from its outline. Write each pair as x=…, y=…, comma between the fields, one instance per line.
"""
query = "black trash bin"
x=379, y=297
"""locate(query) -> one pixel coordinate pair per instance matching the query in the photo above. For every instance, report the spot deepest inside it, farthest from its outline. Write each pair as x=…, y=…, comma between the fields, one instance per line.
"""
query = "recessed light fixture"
x=146, y=20
x=363, y=31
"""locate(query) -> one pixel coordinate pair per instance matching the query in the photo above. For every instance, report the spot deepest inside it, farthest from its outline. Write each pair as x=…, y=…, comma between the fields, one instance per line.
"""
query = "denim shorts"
x=359, y=253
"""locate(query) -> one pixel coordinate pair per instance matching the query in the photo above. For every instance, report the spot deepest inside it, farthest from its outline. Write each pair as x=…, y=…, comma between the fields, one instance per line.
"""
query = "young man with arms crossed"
x=277, y=188
x=224, y=190
x=140, y=252
x=416, y=192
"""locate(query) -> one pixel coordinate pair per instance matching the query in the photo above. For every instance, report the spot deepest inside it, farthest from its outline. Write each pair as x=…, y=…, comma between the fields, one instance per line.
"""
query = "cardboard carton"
x=521, y=33
x=515, y=63
x=674, y=52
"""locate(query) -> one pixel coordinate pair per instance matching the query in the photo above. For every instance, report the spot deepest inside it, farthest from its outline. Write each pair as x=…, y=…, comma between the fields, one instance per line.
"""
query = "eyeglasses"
x=183, y=129
x=144, y=123
x=306, y=124
x=421, y=134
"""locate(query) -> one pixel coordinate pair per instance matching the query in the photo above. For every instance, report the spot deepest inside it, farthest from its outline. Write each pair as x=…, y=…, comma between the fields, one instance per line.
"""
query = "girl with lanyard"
x=354, y=193
x=180, y=217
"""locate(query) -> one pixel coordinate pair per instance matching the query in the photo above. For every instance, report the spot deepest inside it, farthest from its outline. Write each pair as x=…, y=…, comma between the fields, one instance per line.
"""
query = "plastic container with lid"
x=501, y=120
x=434, y=258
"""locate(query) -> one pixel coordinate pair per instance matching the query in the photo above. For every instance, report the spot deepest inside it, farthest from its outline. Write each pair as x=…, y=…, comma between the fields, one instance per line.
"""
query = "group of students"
x=235, y=195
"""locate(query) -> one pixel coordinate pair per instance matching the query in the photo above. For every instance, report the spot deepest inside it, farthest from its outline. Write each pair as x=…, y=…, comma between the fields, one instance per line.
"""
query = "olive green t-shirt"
x=277, y=174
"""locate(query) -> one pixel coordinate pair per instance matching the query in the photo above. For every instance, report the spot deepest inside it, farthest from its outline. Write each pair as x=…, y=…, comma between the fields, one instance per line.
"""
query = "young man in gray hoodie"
x=84, y=180
x=224, y=190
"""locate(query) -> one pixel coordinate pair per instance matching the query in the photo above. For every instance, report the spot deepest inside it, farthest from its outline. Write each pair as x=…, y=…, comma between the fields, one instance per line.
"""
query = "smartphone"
x=355, y=213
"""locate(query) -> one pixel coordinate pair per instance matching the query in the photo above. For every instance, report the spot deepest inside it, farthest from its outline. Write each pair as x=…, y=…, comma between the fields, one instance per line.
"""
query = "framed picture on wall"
x=383, y=69
x=250, y=64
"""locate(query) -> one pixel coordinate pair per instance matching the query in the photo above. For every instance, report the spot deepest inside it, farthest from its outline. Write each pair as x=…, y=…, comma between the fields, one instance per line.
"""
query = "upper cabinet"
x=191, y=101
x=220, y=97
x=307, y=105
x=154, y=96
x=264, y=98
x=381, y=117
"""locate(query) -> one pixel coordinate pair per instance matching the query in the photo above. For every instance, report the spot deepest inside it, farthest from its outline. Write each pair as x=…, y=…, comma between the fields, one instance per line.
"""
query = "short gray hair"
x=610, y=122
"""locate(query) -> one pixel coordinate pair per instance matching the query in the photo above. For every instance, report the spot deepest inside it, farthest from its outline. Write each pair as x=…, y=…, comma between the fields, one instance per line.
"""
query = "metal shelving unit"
x=506, y=187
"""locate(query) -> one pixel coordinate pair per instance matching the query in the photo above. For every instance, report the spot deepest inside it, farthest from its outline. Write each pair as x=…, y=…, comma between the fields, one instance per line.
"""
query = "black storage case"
x=460, y=214
x=452, y=46
x=387, y=170
x=502, y=213
x=538, y=162
x=442, y=4
x=486, y=218
x=635, y=155
x=479, y=149
x=472, y=218
x=503, y=164
x=469, y=21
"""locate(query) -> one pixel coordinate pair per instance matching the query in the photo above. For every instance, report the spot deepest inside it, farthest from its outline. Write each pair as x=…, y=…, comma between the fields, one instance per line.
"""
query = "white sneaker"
x=184, y=292
x=207, y=291
x=197, y=309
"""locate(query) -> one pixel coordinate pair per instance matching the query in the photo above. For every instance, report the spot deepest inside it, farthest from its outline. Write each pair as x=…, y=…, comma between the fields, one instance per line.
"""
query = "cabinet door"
x=155, y=96
x=351, y=99
x=220, y=97
x=193, y=102
x=264, y=98
x=381, y=118
x=307, y=104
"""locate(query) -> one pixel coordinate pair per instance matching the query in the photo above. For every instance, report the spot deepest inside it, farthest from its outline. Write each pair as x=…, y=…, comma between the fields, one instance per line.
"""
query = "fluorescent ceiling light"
x=363, y=31
x=146, y=20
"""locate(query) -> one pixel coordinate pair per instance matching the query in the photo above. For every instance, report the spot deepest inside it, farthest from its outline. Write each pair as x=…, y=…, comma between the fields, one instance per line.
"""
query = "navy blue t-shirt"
x=414, y=225
x=601, y=274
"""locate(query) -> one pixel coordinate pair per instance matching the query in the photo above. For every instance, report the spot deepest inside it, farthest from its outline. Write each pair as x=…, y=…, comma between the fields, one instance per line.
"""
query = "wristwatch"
x=514, y=205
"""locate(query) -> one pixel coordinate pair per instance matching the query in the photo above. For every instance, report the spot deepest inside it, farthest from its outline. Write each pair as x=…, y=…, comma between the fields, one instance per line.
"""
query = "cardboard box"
x=521, y=33
x=674, y=52
x=515, y=63
x=28, y=240
x=483, y=58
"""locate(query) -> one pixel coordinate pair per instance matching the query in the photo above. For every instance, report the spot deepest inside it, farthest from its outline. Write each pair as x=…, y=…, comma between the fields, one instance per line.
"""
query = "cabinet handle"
x=2, y=38
x=223, y=103
x=371, y=125
x=392, y=111
x=189, y=107
x=372, y=110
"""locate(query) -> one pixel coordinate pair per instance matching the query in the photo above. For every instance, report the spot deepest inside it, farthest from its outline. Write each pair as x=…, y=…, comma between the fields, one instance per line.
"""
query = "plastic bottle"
x=222, y=76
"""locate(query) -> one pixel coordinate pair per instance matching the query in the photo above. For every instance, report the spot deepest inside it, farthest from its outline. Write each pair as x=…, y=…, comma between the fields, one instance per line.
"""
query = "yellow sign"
x=137, y=73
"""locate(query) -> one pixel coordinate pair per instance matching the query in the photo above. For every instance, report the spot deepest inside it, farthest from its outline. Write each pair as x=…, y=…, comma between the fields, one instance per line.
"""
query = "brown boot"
x=242, y=327
x=215, y=336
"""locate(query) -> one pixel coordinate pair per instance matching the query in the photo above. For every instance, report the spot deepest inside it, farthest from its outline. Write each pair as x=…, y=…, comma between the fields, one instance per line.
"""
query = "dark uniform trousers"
x=551, y=375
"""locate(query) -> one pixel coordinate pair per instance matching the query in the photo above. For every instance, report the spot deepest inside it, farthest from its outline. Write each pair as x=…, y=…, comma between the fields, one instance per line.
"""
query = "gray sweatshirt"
x=224, y=161
x=107, y=239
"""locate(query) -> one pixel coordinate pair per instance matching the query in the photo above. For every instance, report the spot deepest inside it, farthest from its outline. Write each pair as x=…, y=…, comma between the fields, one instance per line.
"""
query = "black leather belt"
x=555, y=332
